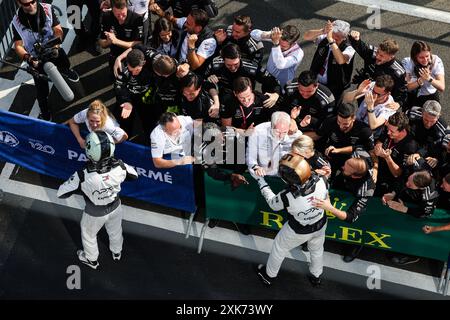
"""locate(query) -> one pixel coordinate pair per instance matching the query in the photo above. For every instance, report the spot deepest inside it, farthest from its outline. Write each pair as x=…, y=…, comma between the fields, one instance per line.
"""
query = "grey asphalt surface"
x=38, y=242
x=441, y=5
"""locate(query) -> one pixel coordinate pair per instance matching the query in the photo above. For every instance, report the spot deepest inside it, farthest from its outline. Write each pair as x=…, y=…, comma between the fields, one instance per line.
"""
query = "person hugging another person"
x=96, y=117
x=100, y=182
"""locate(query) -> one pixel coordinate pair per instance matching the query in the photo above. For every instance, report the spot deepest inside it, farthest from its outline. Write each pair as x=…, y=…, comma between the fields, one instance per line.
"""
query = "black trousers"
x=94, y=11
x=418, y=101
x=147, y=29
x=63, y=64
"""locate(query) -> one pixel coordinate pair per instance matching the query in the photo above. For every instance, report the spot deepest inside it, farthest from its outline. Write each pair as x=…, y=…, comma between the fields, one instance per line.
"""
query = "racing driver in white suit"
x=305, y=222
x=100, y=183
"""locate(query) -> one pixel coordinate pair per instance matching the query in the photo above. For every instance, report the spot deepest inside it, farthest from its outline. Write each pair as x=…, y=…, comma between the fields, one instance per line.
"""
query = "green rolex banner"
x=378, y=227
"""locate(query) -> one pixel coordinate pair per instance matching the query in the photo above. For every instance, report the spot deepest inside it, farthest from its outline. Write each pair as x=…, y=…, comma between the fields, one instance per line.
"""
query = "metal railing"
x=8, y=9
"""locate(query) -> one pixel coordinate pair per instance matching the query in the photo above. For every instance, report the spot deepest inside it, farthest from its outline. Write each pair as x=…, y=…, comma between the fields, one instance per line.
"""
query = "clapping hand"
x=275, y=35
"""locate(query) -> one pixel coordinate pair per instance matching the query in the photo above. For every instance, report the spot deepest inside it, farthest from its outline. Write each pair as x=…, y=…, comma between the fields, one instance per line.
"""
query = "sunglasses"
x=379, y=94
x=28, y=3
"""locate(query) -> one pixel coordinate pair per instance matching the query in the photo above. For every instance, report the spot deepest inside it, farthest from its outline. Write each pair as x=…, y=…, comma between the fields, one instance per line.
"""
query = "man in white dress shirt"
x=286, y=55
x=172, y=137
x=268, y=143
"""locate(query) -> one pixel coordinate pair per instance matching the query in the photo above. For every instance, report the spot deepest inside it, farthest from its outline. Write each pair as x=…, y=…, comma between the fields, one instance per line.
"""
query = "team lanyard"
x=244, y=117
x=391, y=144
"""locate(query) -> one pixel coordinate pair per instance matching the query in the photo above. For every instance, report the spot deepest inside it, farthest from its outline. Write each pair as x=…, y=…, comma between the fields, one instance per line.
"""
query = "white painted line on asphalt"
x=6, y=173
x=253, y=242
x=403, y=8
x=10, y=88
x=34, y=113
x=7, y=97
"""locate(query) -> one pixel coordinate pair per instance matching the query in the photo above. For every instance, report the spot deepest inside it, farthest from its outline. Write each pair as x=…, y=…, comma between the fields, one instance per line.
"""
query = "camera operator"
x=35, y=28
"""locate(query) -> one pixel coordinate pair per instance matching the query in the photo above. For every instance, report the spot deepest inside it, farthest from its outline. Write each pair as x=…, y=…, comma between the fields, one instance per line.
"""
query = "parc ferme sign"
x=51, y=149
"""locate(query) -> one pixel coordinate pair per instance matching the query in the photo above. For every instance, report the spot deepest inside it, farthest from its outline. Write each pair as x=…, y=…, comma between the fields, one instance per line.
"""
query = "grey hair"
x=341, y=26
x=280, y=116
x=303, y=144
x=432, y=107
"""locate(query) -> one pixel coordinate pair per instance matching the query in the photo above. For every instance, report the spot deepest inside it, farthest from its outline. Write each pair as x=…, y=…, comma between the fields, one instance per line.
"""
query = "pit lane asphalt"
x=38, y=242
x=35, y=265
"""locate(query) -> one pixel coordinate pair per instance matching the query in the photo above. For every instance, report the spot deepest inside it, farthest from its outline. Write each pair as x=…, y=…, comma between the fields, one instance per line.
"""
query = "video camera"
x=45, y=54
x=48, y=51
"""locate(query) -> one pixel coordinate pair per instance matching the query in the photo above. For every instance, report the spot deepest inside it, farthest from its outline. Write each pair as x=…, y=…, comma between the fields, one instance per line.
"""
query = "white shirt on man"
x=381, y=109
x=265, y=151
x=206, y=49
x=163, y=144
x=281, y=64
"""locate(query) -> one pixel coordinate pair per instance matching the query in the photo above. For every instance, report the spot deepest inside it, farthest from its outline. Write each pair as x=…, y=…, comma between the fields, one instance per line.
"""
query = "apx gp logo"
x=41, y=147
x=9, y=139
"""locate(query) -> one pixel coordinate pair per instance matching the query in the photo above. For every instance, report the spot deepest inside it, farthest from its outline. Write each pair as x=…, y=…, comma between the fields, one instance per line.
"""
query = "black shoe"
x=242, y=228
x=98, y=49
x=350, y=256
x=305, y=247
x=213, y=223
x=262, y=275
x=404, y=260
x=315, y=282
x=72, y=75
x=82, y=257
x=116, y=256
x=93, y=48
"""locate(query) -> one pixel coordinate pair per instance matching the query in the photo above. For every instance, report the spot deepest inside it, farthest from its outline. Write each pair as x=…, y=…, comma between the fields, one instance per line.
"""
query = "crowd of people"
x=376, y=131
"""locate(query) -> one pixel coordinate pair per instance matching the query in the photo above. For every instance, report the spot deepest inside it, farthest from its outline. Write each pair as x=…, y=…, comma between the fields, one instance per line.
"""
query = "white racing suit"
x=305, y=223
x=100, y=190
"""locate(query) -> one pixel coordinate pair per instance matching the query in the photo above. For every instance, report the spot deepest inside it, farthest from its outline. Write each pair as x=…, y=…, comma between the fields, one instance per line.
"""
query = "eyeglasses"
x=28, y=3
x=379, y=94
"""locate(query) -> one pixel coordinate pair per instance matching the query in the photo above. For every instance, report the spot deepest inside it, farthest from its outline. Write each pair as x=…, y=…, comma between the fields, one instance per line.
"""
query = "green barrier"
x=379, y=227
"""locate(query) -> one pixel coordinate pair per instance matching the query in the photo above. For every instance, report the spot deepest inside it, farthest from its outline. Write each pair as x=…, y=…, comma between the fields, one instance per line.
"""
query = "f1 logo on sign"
x=9, y=139
x=38, y=145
